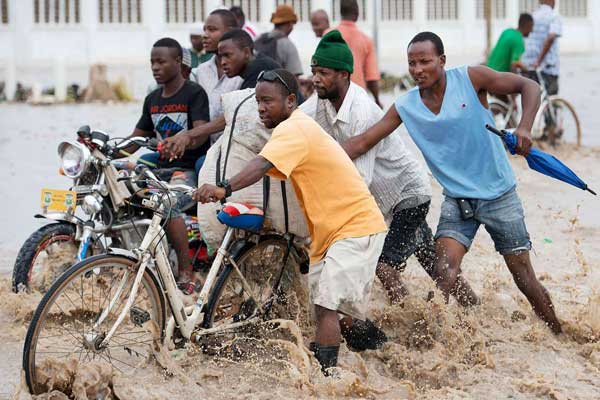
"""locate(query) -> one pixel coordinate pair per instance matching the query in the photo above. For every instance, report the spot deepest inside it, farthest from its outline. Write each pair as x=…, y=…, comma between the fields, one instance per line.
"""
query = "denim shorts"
x=503, y=218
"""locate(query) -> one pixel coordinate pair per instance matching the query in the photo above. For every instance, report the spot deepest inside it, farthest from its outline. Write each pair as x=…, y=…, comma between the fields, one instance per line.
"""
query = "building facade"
x=47, y=42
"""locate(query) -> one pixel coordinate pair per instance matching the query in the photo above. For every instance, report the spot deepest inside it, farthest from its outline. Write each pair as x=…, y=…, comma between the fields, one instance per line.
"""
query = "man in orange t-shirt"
x=346, y=227
x=366, y=73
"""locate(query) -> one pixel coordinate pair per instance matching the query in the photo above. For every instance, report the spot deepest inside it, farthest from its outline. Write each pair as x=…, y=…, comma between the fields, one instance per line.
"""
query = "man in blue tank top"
x=446, y=116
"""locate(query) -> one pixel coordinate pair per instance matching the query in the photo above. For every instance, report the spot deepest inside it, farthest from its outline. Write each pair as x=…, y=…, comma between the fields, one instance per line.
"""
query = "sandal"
x=187, y=287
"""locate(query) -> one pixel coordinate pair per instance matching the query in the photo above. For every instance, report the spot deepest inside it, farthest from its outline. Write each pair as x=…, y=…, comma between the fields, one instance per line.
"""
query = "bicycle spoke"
x=108, y=358
x=123, y=362
x=63, y=328
x=140, y=342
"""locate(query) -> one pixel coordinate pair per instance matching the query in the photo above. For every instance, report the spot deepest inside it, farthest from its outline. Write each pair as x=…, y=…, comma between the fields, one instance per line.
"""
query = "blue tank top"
x=467, y=160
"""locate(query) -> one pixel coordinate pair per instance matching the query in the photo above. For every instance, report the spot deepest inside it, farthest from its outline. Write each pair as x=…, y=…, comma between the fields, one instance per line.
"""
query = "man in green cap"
x=397, y=181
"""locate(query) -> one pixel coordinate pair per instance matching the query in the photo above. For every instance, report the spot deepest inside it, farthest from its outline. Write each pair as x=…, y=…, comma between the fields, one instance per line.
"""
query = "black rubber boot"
x=326, y=355
x=364, y=335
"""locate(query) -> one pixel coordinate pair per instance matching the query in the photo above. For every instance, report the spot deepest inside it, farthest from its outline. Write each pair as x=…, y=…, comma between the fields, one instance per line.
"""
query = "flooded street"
x=497, y=350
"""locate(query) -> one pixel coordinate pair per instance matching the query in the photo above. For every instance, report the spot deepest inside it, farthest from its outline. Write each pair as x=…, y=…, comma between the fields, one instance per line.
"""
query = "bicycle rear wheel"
x=567, y=121
x=62, y=326
x=557, y=120
x=261, y=266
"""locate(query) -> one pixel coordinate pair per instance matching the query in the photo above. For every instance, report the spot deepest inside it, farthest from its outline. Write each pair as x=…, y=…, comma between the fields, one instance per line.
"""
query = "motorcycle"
x=101, y=210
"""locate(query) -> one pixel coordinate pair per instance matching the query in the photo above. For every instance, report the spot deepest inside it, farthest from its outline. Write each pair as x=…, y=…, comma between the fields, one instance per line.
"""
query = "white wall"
x=36, y=53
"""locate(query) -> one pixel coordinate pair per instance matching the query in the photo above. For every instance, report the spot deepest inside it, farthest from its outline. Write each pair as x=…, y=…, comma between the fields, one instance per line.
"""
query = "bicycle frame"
x=185, y=318
x=511, y=108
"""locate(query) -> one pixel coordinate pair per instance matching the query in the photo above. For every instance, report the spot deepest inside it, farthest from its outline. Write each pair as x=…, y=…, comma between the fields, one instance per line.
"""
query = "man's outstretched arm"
x=488, y=80
x=174, y=146
x=250, y=174
x=359, y=145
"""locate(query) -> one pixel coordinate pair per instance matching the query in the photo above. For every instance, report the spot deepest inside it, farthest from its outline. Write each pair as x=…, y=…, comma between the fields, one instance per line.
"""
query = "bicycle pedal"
x=138, y=316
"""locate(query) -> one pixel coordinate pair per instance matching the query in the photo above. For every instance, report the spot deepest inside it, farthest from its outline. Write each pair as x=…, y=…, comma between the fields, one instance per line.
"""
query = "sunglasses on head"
x=272, y=76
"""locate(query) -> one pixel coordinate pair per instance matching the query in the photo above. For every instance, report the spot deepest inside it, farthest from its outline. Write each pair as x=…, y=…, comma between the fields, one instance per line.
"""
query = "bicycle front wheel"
x=502, y=119
x=63, y=325
x=260, y=265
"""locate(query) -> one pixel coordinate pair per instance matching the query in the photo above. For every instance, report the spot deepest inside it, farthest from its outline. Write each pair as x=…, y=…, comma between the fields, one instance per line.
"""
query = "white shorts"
x=342, y=280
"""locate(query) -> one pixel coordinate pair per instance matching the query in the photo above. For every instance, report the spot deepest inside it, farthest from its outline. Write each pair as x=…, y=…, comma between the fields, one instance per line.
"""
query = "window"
x=301, y=7
x=120, y=11
x=362, y=10
x=184, y=11
x=442, y=9
x=528, y=6
x=251, y=8
x=573, y=8
x=394, y=10
x=498, y=9
x=4, y=12
x=55, y=11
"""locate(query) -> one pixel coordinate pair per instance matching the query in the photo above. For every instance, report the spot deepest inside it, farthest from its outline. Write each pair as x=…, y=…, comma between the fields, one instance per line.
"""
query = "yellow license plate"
x=58, y=200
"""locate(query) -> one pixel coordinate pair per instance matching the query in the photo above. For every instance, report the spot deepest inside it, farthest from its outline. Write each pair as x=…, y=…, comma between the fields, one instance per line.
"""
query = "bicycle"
x=112, y=307
x=555, y=117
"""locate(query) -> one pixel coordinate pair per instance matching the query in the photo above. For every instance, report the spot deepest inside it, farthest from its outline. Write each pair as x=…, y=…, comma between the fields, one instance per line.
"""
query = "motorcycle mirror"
x=84, y=132
x=99, y=138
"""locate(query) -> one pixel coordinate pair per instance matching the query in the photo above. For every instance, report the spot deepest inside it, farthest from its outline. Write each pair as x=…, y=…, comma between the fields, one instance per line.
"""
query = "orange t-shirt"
x=336, y=201
x=363, y=51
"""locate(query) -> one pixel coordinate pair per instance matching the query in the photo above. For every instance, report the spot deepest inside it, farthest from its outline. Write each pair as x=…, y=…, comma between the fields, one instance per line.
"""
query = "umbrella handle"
x=497, y=131
x=590, y=190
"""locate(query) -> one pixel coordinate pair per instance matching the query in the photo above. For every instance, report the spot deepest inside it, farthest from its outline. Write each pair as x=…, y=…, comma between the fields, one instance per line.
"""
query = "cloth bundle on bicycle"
x=249, y=137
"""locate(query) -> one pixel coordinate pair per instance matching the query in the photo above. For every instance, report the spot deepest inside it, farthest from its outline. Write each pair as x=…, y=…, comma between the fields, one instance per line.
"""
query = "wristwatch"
x=225, y=185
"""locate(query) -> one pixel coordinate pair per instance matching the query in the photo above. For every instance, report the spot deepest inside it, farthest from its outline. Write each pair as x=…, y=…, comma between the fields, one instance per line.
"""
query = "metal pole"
x=487, y=12
x=376, y=28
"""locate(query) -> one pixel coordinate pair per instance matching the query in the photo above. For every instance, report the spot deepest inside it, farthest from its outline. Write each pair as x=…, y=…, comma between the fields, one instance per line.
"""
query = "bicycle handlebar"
x=147, y=172
x=151, y=143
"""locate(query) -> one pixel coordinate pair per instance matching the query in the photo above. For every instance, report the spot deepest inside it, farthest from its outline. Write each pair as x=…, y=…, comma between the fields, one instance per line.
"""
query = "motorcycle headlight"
x=74, y=158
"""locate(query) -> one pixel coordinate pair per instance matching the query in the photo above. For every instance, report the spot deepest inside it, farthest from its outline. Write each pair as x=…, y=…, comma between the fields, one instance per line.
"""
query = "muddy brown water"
x=497, y=350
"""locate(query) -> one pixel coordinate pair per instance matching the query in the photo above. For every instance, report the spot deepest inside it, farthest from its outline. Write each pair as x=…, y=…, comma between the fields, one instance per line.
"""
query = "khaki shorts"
x=342, y=280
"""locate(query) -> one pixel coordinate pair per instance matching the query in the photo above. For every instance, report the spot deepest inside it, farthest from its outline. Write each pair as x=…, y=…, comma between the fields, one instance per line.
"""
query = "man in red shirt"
x=366, y=73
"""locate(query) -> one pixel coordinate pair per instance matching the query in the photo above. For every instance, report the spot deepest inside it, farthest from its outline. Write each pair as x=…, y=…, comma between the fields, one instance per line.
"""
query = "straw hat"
x=284, y=13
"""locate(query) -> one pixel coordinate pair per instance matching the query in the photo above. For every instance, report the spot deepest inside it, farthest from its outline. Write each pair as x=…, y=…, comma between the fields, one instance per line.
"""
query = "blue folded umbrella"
x=543, y=162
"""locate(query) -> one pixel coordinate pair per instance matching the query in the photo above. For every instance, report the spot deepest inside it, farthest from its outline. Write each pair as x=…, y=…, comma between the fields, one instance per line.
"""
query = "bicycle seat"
x=242, y=216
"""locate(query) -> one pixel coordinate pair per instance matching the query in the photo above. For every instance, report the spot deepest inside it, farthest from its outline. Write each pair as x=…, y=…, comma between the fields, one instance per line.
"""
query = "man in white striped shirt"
x=396, y=180
x=209, y=74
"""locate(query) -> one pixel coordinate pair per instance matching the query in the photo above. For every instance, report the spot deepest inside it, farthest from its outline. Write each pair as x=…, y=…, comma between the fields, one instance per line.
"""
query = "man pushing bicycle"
x=346, y=227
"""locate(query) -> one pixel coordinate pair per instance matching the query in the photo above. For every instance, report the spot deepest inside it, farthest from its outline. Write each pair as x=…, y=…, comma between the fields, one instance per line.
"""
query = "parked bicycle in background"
x=556, y=120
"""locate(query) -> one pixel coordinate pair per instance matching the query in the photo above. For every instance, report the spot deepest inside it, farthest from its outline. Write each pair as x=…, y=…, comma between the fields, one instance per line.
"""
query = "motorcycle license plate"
x=58, y=200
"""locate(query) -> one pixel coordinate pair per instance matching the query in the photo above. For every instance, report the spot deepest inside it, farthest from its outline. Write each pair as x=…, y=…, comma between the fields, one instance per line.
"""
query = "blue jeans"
x=186, y=177
x=199, y=164
x=153, y=157
x=184, y=201
x=503, y=218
